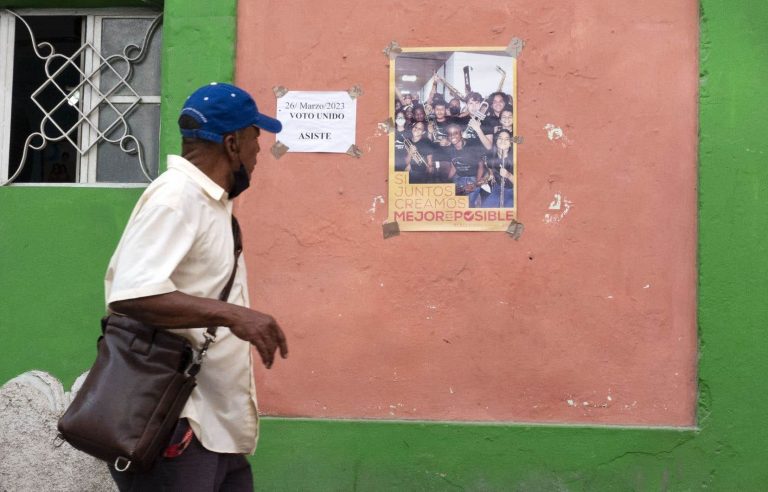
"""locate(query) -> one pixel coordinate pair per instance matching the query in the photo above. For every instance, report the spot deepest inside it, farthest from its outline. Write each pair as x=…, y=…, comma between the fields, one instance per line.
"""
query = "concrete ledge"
x=30, y=406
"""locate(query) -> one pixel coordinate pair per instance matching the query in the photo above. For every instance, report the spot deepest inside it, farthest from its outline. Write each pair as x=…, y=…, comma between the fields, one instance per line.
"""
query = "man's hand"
x=262, y=331
x=178, y=310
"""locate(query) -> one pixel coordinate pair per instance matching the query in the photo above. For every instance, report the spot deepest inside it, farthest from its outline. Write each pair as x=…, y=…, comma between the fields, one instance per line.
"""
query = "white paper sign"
x=315, y=121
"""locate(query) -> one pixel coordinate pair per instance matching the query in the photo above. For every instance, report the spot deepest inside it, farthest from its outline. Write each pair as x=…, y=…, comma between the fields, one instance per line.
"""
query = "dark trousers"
x=195, y=470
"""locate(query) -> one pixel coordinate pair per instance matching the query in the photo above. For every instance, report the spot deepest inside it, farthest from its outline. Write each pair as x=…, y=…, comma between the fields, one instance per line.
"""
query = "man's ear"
x=231, y=145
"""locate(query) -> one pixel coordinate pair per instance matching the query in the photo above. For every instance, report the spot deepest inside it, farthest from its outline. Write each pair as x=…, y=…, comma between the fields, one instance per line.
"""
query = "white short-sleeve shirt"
x=179, y=237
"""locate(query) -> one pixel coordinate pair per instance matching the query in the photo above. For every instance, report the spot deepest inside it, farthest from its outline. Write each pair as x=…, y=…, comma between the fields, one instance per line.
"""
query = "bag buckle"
x=197, y=360
x=125, y=461
x=209, y=339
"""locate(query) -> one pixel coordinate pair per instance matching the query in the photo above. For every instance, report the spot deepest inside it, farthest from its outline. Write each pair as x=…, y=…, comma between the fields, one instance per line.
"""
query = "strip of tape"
x=515, y=230
x=390, y=229
x=354, y=151
x=279, y=91
x=515, y=47
x=355, y=91
x=279, y=149
x=387, y=126
x=392, y=50
x=517, y=139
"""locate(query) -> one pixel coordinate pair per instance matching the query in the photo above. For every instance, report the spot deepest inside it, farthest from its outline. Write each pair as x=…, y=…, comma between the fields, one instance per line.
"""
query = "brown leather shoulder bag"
x=133, y=395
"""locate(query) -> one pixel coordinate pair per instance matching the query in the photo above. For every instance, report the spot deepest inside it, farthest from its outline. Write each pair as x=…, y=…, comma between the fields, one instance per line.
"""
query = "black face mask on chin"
x=241, y=182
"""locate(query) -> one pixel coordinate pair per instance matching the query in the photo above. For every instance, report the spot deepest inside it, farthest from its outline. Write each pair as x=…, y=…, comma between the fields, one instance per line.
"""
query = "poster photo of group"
x=453, y=155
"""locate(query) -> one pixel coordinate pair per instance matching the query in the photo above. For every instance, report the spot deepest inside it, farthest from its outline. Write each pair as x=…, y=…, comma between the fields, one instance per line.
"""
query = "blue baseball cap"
x=223, y=108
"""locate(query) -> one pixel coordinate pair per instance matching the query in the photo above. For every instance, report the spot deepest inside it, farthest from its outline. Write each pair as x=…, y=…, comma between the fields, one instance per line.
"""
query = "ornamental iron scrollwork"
x=52, y=131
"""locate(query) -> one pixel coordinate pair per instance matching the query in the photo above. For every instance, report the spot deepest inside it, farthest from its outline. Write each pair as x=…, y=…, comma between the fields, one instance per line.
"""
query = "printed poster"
x=453, y=152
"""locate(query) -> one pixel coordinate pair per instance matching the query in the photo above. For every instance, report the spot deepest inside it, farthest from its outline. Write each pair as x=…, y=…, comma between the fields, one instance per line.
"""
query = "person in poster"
x=501, y=170
x=418, y=161
x=464, y=164
x=464, y=139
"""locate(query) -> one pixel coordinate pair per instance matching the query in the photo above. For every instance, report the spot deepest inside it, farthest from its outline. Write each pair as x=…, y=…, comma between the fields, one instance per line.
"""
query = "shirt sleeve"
x=152, y=246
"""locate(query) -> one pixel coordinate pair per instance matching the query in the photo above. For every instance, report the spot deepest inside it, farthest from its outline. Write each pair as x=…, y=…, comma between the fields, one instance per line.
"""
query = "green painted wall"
x=54, y=245
x=55, y=242
x=198, y=47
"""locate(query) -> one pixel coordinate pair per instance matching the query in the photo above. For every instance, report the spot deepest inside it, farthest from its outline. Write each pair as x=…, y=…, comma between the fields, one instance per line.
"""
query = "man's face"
x=407, y=100
x=418, y=131
x=506, y=119
x=455, y=106
x=473, y=106
x=248, y=141
x=454, y=136
x=498, y=103
x=418, y=114
x=440, y=112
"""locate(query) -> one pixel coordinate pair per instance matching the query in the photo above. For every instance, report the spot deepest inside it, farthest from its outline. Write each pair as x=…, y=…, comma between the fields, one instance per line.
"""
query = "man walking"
x=172, y=262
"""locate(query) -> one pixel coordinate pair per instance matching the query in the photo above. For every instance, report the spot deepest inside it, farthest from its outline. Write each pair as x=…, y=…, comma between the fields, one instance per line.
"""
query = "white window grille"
x=79, y=96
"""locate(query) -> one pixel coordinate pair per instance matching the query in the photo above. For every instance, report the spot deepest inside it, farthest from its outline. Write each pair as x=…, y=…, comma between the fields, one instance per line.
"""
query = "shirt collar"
x=207, y=184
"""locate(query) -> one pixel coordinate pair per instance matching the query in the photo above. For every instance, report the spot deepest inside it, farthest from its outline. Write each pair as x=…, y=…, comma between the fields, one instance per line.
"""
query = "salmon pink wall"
x=588, y=318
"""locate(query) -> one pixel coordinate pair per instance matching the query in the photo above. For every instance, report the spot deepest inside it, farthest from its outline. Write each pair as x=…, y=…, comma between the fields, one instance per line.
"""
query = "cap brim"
x=269, y=124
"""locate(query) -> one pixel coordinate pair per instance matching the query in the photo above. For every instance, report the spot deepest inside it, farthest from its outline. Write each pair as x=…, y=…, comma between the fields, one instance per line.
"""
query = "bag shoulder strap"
x=238, y=243
x=210, y=334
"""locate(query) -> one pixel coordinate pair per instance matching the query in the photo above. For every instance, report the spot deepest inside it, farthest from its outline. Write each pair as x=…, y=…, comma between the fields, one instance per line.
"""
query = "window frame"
x=86, y=168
